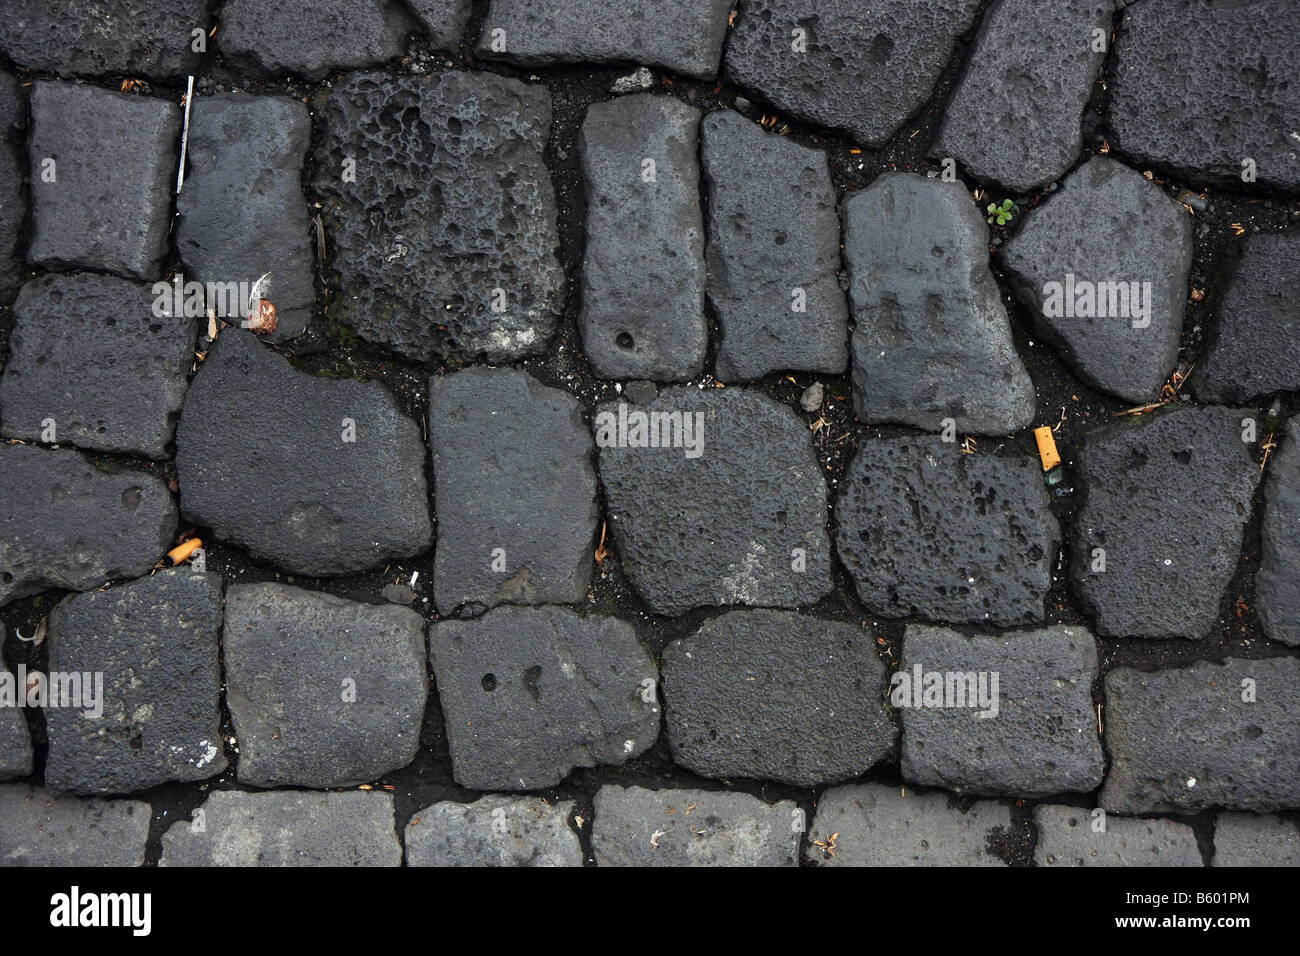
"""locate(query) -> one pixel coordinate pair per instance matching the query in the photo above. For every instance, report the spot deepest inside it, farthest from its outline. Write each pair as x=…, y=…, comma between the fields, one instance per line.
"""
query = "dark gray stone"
x=1277, y=585
x=494, y=831
x=1244, y=839
x=242, y=212
x=1071, y=241
x=865, y=68
x=1066, y=838
x=115, y=155
x=445, y=20
x=528, y=694
x=1185, y=740
x=774, y=234
x=643, y=273
x=263, y=461
x=15, y=740
x=323, y=692
x=89, y=352
x=738, y=519
x=446, y=243
x=1167, y=499
x=776, y=696
x=155, y=643
x=69, y=525
x=684, y=36
x=13, y=195
x=39, y=829
x=639, y=827
x=932, y=339
x=925, y=530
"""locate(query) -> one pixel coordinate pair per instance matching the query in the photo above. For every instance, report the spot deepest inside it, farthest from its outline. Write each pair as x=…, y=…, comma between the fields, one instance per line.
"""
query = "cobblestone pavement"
x=672, y=432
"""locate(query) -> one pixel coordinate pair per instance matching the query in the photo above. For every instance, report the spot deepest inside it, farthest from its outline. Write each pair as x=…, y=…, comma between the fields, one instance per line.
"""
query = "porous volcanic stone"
x=39, y=829
x=263, y=460
x=155, y=643
x=446, y=242
x=513, y=473
x=777, y=696
x=925, y=530
x=108, y=206
x=774, y=244
x=862, y=69
x=90, y=353
x=445, y=20
x=15, y=740
x=13, y=197
x=932, y=339
x=1184, y=740
x=1066, y=838
x=1166, y=499
x=69, y=525
x=1277, y=585
x=741, y=522
x=494, y=831
x=323, y=692
x=1069, y=245
x=530, y=693
x=639, y=827
x=1244, y=839
x=643, y=273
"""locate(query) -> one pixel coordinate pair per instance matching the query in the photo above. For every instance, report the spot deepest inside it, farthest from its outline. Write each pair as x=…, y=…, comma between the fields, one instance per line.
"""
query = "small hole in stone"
x=624, y=341
x=489, y=681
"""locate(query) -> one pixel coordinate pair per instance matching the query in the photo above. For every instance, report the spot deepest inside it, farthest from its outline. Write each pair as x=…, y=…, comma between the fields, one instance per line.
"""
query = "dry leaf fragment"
x=264, y=318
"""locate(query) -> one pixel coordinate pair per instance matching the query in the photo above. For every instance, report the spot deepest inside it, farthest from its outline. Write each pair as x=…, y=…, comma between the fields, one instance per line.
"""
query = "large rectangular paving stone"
x=13, y=194
x=1247, y=839
x=1211, y=735
x=1070, y=836
x=1277, y=585
x=40, y=829
x=15, y=739
x=493, y=831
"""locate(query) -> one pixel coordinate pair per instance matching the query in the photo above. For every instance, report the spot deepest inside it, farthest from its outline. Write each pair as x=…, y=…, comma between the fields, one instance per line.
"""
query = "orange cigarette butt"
x=1047, y=448
x=183, y=551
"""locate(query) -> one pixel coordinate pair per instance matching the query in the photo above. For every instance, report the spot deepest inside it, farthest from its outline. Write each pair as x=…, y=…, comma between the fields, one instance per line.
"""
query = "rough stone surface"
x=1277, y=584
x=512, y=462
x=1167, y=499
x=776, y=695
x=1066, y=838
x=1183, y=740
x=288, y=828
x=643, y=274
x=932, y=339
x=1070, y=241
x=528, y=694
x=88, y=352
x=69, y=525
x=13, y=197
x=639, y=827
x=878, y=825
x=444, y=20
x=742, y=522
x=865, y=68
x=446, y=244
x=684, y=36
x=1244, y=839
x=242, y=212
x=155, y=643
x=262, y=461
x=39, y=829
x=15, y=740
x=925, y=530
x=109, y=206
x=494, y=831
x=774, y=234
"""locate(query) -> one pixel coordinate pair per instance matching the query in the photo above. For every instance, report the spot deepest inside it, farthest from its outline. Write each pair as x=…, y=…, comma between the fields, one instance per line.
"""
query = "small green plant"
x=1002, y=213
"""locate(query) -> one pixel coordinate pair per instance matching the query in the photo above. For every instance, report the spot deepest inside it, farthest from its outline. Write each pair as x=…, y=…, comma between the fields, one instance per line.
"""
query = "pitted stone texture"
x=69, y=525
x=445, y=20
x=1277, y=585
x=446, y=243
x=1167, y=499
x=1197, y=87
x=776, y=695
x=1033, y=735
x=741, y=522
x=1070, y=241
x=493, y=831
x=262, y=460
x=288, y=828
x=155, y=643
x=639, y=827
x=1184, y=740
x=40, y=829
x=866, y=67
x=13, y=195
x=15, y=740
x=323, y=692
x=242, y=212
x=513, y=472
x=1015, y=118
x=1257, y=350
x=88, y=352
x=877, y=825
x=1066, y=838
x=1244, y=839
x=774, y=234
x=643, y=273
x=152, y=38
x=932, y=339
x=109, y=205
x=528, y=694
x=925, y=530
